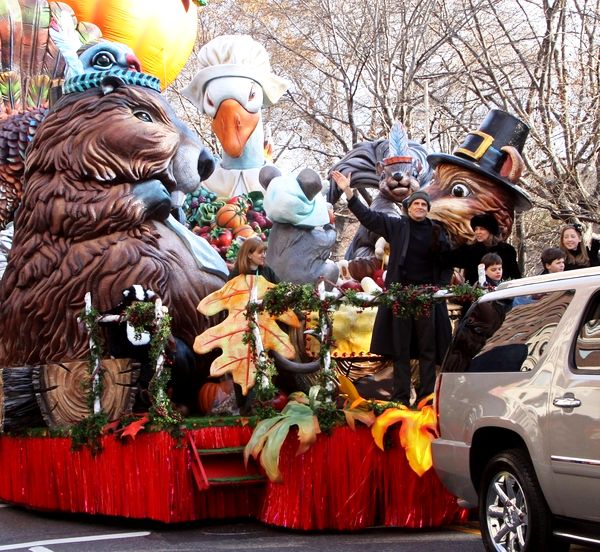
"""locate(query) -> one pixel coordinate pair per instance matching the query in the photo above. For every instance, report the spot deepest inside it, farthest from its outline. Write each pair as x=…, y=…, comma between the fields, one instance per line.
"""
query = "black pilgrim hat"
x=481, y=151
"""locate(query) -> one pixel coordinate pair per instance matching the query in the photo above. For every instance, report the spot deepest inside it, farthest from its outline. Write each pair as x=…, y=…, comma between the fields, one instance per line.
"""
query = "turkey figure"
x=39, y=45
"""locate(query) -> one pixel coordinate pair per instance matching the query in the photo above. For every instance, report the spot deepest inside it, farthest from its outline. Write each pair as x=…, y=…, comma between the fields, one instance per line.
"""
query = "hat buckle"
x=485, y=144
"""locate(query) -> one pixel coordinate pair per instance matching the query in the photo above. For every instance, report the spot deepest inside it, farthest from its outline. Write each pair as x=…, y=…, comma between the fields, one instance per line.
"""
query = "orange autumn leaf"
x=110, y=427
x=135, y=427
x=229, y=334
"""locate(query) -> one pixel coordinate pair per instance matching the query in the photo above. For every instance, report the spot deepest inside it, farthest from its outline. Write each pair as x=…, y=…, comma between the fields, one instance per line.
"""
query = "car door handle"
x=567, y=402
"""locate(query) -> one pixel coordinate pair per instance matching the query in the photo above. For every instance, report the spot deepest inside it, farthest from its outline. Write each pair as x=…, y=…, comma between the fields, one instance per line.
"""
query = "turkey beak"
x=133, y=63
x=233, y=125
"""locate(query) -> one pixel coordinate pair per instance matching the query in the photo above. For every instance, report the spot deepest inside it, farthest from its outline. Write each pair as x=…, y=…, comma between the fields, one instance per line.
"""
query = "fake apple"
x=351, y=285
x=379, y=277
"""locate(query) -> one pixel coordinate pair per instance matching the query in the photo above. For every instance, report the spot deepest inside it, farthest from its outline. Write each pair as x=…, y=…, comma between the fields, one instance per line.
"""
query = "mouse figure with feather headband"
x=482, y=175
x=399, y=174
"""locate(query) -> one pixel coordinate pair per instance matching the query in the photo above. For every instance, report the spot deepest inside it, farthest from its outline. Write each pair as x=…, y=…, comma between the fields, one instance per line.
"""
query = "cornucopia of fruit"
x=222, y=221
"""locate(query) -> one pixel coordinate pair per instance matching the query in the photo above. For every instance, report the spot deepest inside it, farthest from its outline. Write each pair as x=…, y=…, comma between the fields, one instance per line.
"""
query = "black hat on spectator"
x=487, y=221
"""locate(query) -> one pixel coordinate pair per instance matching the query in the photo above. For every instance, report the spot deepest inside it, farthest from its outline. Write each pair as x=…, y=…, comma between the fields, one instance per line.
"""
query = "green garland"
x=404, y=301
x=141, y=316
x=264, y=390
x=88, y=431
x=90, y=319
x=287, y=296
x=324, y=329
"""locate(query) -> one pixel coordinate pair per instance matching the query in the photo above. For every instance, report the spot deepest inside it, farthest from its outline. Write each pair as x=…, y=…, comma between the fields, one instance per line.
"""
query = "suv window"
x=587, y=346
x=507, y=335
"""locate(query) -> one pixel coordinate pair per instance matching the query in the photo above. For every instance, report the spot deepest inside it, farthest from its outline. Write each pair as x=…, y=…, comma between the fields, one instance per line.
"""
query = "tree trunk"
x=62, y=390
x=520, y=245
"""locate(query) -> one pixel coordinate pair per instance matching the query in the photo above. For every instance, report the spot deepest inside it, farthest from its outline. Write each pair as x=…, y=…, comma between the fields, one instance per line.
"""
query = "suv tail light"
x=436, y=402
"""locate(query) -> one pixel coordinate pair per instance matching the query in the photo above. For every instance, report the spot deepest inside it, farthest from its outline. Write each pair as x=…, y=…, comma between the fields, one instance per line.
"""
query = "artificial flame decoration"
x=162, y=33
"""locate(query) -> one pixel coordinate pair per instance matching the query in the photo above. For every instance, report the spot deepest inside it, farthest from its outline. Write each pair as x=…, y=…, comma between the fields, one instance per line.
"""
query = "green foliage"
x=264, y=390
x=287, y=296
x=88, y=432
x=141, y=315
x=405, y=301
x=90, y=319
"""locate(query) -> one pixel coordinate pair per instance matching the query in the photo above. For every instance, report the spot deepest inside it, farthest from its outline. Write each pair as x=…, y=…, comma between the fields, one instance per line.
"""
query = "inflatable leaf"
x=270, y=434
x=229, y=335
x=367, y=417
x=135, y=427
x=347, y=388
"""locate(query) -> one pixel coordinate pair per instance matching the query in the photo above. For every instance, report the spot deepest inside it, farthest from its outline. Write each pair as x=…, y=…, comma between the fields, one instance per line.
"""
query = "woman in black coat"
x=468, y=256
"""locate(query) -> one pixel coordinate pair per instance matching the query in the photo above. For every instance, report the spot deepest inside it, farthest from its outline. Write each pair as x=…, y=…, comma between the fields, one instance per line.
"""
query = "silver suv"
x=518, y=403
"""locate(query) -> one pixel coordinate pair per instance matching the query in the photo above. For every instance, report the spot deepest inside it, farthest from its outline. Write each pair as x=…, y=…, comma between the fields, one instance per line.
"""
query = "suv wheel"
x=513, y=514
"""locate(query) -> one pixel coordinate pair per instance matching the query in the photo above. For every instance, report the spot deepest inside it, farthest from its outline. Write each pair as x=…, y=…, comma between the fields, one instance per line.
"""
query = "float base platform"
x=343, y=482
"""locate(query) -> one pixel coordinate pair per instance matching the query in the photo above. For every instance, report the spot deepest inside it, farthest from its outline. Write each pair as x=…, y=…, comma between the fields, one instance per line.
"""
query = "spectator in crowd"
x=553, y=260
x=468, y=256
x=577, y=255
x=416, y=247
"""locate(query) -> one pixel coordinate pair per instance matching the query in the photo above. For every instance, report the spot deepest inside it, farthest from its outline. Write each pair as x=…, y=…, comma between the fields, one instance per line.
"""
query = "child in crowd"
x=577, y=255
x=251, y=260
x=553, y=260
x=493, y=269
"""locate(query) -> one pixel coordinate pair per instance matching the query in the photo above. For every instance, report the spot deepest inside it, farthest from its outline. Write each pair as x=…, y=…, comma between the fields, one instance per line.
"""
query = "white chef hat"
x=235, y=56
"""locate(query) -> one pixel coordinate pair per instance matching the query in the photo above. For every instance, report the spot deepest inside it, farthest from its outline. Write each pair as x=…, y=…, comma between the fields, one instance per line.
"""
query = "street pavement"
x=22, y=529
x=33, y=531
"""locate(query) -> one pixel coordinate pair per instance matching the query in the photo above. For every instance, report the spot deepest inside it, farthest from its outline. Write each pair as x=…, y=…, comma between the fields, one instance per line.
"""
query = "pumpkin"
x=162, y=33
x=212, y=393
x=230, y=216
x=245, y=231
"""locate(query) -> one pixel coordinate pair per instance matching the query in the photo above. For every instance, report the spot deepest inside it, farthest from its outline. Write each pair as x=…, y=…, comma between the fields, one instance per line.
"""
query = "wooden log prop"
x=18, y=407
x=62, y=390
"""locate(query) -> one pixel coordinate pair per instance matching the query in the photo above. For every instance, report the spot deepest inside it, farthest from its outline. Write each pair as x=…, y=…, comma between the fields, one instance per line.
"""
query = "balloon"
x=160, y=32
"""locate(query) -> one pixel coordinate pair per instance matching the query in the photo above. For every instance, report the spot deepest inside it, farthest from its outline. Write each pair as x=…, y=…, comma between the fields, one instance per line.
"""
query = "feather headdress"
x=399, y=150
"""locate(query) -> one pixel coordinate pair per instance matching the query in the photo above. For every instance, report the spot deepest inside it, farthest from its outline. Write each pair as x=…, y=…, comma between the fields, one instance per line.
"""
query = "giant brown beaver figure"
x=93, y=218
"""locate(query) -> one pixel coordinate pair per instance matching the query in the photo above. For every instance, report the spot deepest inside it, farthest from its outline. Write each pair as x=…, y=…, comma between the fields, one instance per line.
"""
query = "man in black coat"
x=416, y=247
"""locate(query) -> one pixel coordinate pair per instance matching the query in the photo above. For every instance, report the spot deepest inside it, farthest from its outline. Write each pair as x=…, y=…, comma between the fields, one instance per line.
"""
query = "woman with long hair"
x=251, y=260
x=577, y=255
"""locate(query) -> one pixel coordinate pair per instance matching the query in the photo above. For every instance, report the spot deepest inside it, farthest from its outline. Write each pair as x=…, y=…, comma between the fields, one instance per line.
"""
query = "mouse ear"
x=310, y=182
x=267, y=174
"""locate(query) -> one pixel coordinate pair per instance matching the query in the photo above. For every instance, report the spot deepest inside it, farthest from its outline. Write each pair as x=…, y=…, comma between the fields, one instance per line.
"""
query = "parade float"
x=136, y=381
